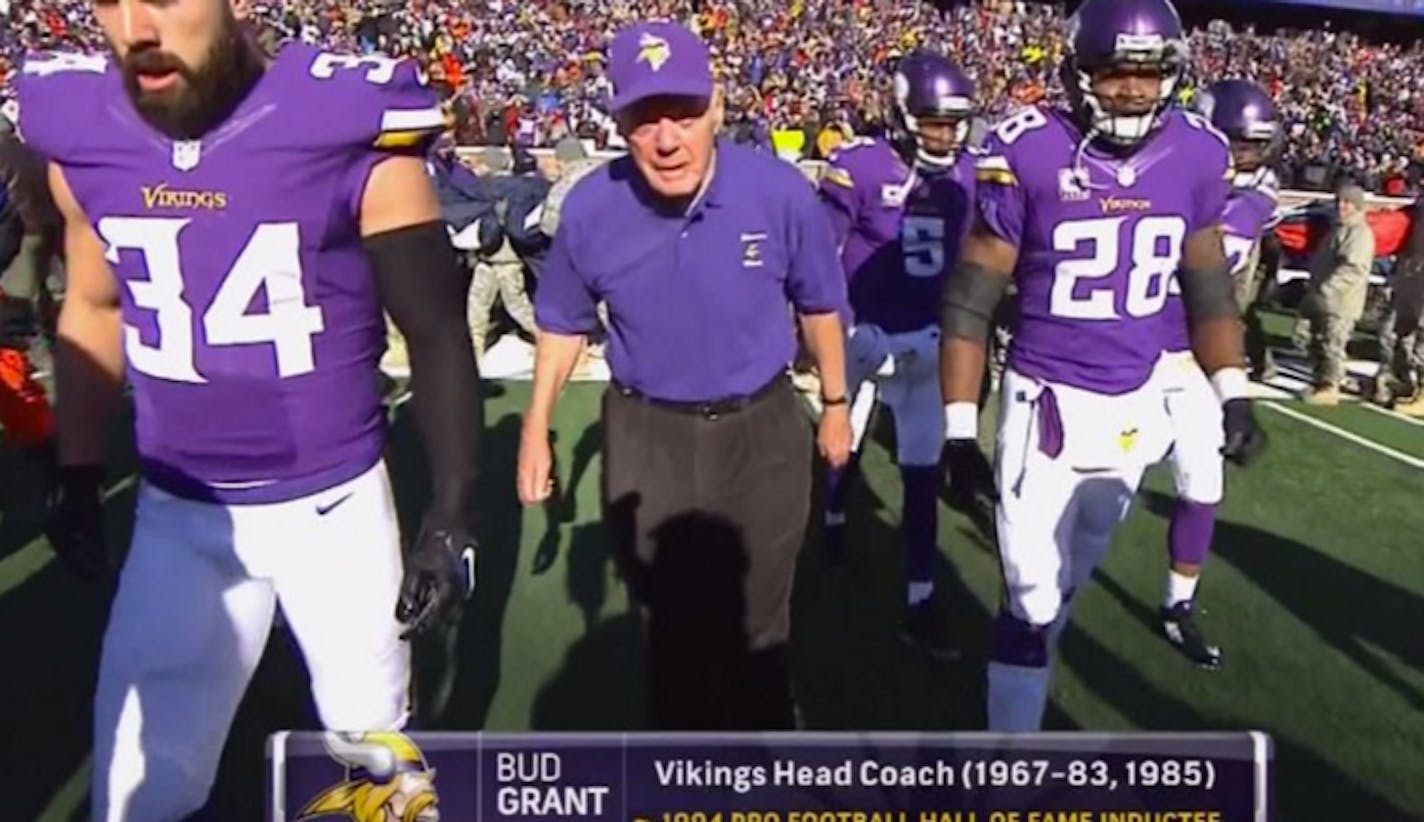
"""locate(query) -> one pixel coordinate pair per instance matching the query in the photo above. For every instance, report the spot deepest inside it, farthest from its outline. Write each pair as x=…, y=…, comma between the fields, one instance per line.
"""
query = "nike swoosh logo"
x=323, y=510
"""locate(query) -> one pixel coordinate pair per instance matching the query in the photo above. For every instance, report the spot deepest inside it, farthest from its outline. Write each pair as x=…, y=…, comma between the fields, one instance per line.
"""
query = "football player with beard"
x=1244, y=113
x=1090, y=209
x=234, y=227
x=900, y=207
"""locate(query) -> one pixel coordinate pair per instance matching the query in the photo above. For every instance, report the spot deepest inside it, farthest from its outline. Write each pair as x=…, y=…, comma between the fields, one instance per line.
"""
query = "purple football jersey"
x=1250, y=208
x=1099, y=239
x=252, y=326
x=900, y=228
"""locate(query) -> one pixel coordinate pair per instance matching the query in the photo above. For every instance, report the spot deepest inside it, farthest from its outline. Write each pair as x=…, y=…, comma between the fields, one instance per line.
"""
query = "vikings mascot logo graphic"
x=653, y=50
x=387, y=780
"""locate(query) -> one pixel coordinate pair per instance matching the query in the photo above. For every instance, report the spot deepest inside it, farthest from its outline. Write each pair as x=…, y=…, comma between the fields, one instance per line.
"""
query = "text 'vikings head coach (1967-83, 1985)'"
x=701, y=250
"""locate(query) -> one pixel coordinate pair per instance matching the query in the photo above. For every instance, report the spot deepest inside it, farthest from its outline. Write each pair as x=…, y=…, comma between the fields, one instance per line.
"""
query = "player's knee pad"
x=919, y=435
x=1020, y=643
x=919, y=413
x=1203, y=484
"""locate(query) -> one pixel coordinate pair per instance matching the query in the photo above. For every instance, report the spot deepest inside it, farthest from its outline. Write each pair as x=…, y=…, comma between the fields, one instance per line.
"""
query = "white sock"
x=1180, y=588
x=1018, y=696
x=920, y=591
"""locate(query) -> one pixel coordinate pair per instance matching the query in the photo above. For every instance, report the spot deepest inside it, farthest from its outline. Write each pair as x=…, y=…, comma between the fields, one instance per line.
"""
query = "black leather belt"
x=709, y=409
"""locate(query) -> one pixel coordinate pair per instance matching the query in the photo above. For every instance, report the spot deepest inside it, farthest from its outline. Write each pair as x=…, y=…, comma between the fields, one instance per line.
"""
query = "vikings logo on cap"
x=653, y=50
x=387, y=778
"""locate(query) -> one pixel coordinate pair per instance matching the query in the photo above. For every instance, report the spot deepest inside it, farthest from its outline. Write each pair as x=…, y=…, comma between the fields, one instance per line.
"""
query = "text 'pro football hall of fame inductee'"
x=1091, y=210
x=234, y=228
x=701, y=250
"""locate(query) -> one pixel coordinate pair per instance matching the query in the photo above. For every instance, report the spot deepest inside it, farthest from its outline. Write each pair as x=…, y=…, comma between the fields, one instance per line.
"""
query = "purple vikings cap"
x=650, y=59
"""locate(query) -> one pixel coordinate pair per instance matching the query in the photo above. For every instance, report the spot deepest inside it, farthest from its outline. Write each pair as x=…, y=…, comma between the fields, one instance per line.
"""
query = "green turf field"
x=1316, y=593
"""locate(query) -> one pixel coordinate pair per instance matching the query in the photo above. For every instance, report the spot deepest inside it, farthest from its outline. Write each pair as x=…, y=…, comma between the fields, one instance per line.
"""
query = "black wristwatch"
x=841, y=400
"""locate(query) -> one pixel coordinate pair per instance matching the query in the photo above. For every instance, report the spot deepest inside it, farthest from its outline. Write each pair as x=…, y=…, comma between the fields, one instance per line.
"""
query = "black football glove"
x=439, y=578
x=1245, y=439
x=971, y=477
x=74, y=521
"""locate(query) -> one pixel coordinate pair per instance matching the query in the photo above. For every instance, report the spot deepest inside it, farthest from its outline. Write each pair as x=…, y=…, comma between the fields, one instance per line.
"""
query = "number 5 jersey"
x=251, y=322
x=901, y=230
x=1099, y=237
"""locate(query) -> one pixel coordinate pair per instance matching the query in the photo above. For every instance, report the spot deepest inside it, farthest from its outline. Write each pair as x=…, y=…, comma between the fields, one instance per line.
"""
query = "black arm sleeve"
x=970, y=298
x=425, y=289
x=1208, y=294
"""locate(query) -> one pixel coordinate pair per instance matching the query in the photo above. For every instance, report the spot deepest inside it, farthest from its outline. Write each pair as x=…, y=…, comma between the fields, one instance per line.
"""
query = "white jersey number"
x=1238, y=251
x=1156, y=248
x=1024, y=121
x=379, y=69
x=270, y=262
x=922, y=242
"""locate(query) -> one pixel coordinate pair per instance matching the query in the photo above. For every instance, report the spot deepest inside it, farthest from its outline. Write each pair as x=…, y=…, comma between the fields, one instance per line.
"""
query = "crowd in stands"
x=532, y=71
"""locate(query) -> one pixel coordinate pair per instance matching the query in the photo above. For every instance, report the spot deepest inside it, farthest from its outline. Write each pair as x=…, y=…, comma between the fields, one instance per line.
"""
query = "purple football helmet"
x=930, y=87
x=1107, y=33
x=1244, y=112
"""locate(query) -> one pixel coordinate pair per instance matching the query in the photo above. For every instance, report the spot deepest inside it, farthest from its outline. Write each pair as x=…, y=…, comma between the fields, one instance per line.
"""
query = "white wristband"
x=1230, y=384
x=961, y=421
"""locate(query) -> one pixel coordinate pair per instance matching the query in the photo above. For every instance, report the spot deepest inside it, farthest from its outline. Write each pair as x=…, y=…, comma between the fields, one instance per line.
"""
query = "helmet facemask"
x=1134, y=54
x=935, y=125
x=931, y=151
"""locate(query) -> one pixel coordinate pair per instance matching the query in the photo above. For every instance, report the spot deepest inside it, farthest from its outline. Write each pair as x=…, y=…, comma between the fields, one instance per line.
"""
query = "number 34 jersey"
x=252, y=327
x=1099, y=237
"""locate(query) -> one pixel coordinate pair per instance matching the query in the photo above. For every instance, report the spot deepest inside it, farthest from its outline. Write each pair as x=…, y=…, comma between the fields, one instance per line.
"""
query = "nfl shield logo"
x=186, y=154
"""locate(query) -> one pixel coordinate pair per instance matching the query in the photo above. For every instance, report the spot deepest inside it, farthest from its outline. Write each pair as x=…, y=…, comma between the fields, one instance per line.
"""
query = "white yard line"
x=1413, y=462
x=1392, y=414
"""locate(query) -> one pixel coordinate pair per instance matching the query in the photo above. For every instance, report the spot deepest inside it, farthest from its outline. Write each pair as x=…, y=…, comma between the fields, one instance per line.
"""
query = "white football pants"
x=191, y=618
x=1068, y=463
x=1057, y=514
x=905, y=368
x=1197, y=436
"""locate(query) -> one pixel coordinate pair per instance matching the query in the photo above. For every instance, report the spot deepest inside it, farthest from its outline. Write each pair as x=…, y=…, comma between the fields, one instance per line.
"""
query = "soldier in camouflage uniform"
x=1402, y=341
x=1402, y=332
x=1340, y=278
x=499, y=275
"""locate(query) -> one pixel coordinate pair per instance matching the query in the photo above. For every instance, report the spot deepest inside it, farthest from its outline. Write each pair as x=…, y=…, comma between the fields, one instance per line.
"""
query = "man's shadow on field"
x=1360, y=610
x=854, y=671
x=456, y=675
x=562, y=509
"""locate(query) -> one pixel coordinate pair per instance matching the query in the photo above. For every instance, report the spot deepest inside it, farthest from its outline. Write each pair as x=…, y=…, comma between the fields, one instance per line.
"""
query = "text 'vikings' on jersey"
x=248, y=304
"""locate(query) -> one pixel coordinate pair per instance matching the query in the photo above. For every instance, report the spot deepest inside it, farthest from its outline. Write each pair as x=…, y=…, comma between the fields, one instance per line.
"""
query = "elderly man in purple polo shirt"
x=701, y=250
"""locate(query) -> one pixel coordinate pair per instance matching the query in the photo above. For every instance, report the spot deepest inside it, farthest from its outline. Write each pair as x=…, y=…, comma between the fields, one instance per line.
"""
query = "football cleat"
x=925, y=628
x=1180, y=625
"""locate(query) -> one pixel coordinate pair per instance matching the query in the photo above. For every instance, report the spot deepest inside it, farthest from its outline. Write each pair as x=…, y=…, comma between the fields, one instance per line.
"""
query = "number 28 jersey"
x=252, y=327
x=1099, y=238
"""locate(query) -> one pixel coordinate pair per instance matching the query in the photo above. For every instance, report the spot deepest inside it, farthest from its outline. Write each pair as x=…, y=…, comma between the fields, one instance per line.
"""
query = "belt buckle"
x=710, y=411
